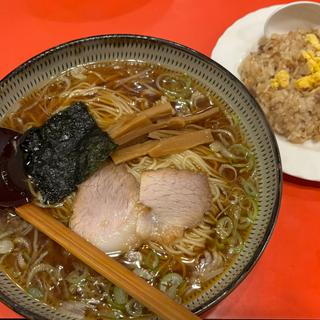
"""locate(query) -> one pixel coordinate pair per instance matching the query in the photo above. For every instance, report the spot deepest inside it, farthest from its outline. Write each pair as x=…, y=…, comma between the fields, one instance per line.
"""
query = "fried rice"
x=292, y=113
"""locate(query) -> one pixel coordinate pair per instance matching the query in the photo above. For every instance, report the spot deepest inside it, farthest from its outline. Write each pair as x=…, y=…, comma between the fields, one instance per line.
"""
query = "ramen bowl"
x=206, y=73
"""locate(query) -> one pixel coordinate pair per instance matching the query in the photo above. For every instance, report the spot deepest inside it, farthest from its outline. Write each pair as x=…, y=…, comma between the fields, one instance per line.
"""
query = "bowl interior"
x=214, y=78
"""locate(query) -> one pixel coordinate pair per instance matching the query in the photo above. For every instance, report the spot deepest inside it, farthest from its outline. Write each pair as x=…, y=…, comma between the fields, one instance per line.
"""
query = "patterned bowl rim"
x=265, y=240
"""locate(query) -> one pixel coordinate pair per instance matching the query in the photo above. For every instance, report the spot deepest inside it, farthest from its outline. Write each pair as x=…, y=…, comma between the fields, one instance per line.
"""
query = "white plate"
x=299, y=160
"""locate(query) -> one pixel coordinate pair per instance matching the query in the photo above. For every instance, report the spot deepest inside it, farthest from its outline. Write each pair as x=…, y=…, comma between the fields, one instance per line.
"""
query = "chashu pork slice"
x=177, y=200
x=104, y=209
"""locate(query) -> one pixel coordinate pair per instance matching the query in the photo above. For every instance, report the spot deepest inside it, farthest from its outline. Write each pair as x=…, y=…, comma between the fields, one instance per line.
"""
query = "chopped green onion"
x=218, y=147
x=178, y=86
x=75, y=278
x=134, y=308
x=252, y=214
x=170, y=283
x=240, y=151
x=235, y=250
x=236, y=239
x=228, y=172
x=120, y=297
x=249, y=187
x=219, y=245
x=224, y=227
x=114, y=305
x=111, y=314
x=244, y=223
x=152, y=260
x=143, y=273
x=6, y=246
x=35, y=293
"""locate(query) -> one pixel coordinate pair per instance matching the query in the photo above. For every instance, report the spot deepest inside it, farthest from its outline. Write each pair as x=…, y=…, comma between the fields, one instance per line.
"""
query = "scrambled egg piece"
x=280, y=80
x=308, y=82
x=312, y=61
x=313, y=80
x=313, y=40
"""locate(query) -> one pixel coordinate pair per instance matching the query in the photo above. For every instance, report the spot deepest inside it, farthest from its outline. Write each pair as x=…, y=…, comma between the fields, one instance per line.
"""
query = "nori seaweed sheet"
x=65, y=151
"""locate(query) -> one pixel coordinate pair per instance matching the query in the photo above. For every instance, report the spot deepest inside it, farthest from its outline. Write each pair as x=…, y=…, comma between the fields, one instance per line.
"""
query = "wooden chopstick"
x=119, y=275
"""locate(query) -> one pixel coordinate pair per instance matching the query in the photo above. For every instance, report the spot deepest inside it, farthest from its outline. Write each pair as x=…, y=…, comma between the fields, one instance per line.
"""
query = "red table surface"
x=285, y=283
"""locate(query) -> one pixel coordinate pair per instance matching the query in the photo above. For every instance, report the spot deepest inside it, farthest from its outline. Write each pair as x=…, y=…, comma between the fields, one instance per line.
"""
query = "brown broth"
x=133, y=86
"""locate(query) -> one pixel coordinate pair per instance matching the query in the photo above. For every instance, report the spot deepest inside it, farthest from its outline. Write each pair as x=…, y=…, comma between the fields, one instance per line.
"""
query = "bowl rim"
x=277, y=201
